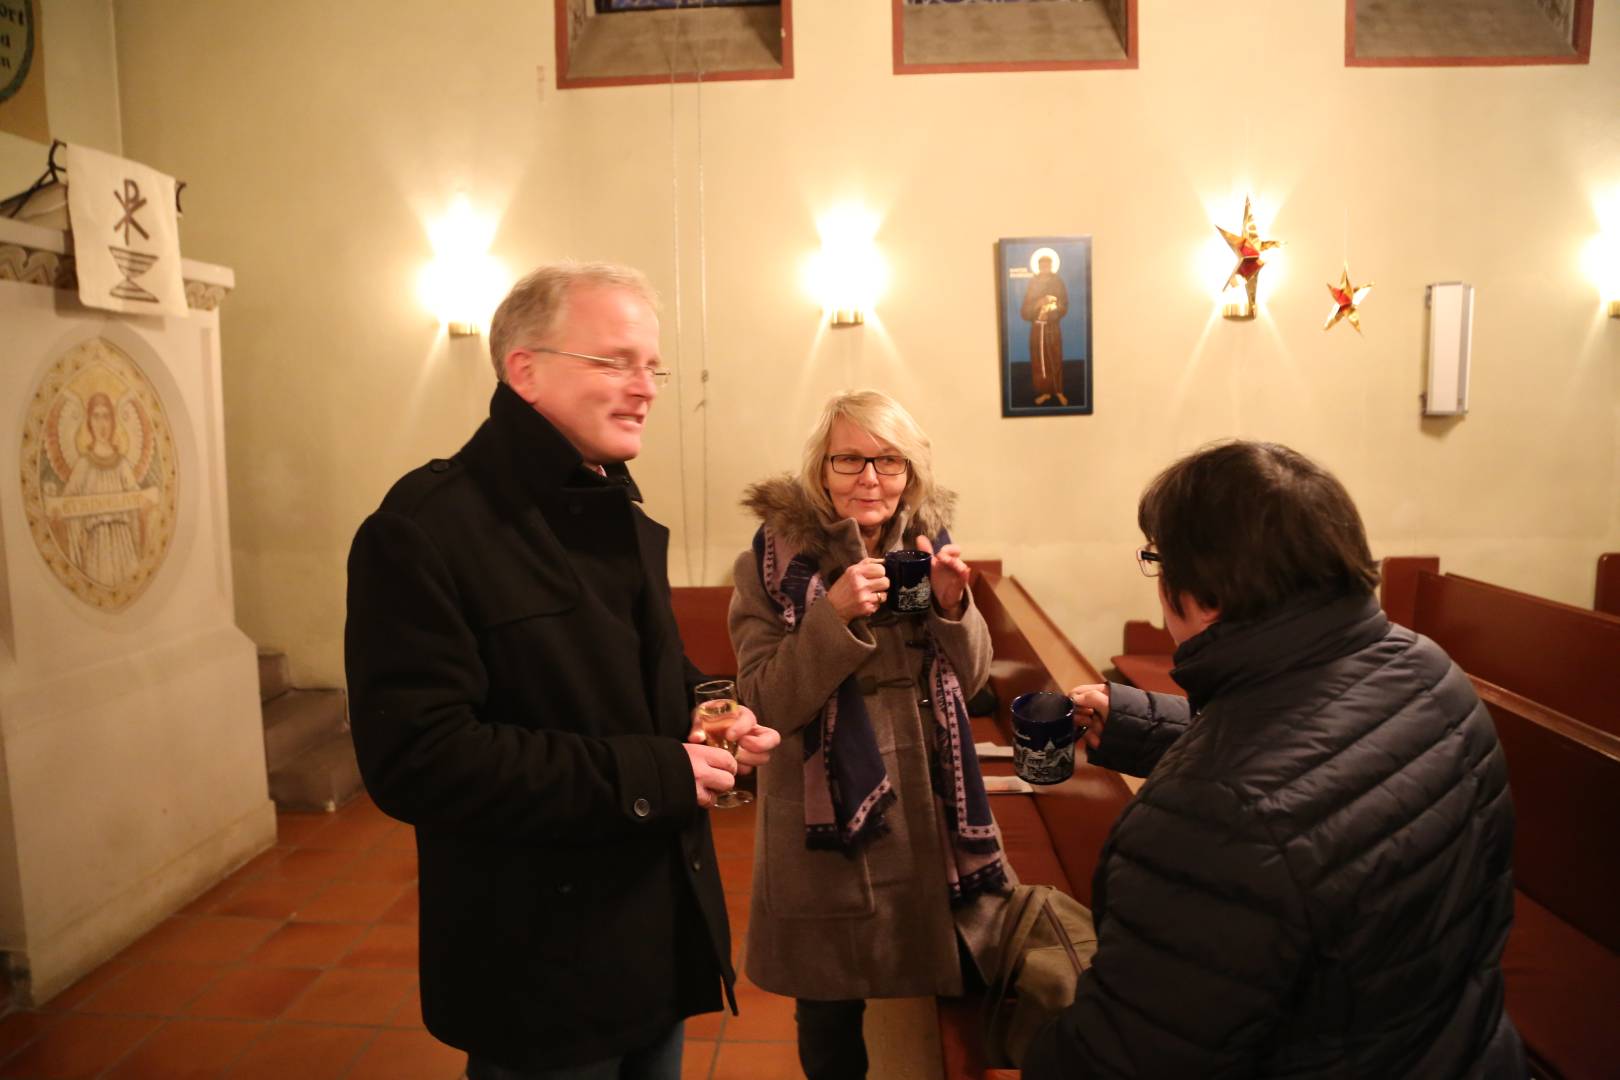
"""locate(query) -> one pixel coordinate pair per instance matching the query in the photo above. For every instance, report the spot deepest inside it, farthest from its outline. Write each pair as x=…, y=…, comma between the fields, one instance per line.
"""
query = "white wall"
x=317, y=138
x=81, y=88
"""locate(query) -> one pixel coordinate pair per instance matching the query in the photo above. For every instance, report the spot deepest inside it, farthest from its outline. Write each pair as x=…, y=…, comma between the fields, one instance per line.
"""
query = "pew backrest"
x=1563, y=657
x=701, y=612
x=1606, y=598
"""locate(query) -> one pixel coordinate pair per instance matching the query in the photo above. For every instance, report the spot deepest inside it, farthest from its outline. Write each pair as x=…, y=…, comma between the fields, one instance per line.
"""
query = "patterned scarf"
x=847, y=792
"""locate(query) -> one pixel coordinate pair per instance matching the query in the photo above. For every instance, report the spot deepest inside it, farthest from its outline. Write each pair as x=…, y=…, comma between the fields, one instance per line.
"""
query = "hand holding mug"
x=1091, y=710
x=949, y=575
x=860, y=590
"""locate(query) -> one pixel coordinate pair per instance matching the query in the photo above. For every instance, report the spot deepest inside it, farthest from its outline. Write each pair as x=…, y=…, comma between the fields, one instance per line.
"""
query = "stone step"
x=322, y=778
x=275, y=674
x=299, y=719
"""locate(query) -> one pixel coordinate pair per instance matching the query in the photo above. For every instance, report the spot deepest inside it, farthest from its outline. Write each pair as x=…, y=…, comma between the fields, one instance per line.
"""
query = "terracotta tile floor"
x=302, y=966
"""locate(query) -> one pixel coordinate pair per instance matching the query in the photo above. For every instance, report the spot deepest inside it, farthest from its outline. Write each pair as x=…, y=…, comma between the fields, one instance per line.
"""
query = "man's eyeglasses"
x=618, y=368
x=855, y=464
x=1149, y=560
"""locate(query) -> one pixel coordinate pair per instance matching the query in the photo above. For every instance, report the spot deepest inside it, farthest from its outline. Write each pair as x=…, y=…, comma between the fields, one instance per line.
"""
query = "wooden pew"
x=1606, y=597
x=1148, y=658
x=1561, y=656
x=1562, y=964
x=1052, y=837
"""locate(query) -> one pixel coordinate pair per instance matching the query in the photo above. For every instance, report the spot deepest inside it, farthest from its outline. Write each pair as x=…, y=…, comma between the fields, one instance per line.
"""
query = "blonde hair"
x=882, y=417
x=536, y=304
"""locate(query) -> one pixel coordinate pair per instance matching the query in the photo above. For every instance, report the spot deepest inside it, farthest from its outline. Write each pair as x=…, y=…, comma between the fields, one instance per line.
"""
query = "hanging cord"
x=680, y=333
x=703, y=307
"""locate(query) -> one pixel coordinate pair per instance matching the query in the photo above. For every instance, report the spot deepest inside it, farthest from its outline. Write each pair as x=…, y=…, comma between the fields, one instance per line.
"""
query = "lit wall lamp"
x=848, y=274
x=1603, y=267
x=1239, y=300
x=463, y=282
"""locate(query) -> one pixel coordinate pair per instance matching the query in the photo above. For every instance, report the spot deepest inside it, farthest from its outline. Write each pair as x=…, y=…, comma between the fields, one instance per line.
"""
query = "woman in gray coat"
x=875, y=851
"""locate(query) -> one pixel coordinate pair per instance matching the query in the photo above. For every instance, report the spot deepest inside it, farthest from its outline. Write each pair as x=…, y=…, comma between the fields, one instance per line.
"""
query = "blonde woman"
x=875, y=853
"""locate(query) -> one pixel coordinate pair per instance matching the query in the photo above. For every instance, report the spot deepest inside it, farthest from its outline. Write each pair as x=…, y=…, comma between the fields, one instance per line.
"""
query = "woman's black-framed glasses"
x=1149, y=560
x=855, y=464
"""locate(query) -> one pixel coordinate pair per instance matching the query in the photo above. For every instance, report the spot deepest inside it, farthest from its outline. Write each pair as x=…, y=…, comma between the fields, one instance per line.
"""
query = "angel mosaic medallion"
x=98, y=475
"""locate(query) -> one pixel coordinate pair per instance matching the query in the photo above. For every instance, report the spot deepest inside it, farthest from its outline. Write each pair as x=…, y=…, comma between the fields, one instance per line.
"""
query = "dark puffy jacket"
x=1316, y=878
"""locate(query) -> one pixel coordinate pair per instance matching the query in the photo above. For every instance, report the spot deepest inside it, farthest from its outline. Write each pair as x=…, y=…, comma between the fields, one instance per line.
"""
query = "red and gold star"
x=1346, y=299
x=1249, y=249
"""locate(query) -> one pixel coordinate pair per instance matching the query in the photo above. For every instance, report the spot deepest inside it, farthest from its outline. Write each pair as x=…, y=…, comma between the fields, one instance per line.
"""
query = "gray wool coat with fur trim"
x=878, y=923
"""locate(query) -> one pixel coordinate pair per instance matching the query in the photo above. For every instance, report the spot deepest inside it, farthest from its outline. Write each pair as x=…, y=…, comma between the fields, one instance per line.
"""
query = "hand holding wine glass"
x=722, y=723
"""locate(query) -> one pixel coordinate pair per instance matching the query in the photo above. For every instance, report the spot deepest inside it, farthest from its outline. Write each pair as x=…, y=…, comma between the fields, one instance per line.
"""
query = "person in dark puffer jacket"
x=1315, y=881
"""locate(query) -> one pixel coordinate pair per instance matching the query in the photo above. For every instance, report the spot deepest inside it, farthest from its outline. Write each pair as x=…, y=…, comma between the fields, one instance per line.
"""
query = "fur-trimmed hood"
x=783, y=505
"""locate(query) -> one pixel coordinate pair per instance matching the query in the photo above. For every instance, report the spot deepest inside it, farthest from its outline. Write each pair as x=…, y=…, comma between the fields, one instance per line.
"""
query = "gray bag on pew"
x=1047, y=939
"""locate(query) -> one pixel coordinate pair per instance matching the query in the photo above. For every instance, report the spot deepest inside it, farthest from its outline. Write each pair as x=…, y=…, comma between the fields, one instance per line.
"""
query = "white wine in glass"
x=717, y=711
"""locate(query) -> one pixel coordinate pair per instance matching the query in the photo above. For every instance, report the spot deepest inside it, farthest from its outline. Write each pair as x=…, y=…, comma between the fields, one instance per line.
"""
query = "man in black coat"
x=1316, y=880
x=520, y=695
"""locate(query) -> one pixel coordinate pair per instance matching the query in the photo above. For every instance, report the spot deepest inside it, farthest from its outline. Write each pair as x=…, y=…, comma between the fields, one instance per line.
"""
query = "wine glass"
x=717, y=710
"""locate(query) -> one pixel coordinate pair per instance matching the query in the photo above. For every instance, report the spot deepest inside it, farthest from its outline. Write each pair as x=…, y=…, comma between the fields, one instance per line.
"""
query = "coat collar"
x=1310, y=630
x=518, y=443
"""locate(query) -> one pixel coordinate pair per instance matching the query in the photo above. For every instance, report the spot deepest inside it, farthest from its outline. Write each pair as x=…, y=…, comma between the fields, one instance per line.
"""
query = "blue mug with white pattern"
x=1043, y=737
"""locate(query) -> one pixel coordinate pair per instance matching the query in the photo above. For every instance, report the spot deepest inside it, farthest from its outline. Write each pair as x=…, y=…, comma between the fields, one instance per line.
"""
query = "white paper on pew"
x=1006, y=785
x=989, y=751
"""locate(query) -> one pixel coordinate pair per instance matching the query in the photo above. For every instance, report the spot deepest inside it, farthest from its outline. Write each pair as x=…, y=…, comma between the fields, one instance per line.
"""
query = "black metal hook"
x=56, y=174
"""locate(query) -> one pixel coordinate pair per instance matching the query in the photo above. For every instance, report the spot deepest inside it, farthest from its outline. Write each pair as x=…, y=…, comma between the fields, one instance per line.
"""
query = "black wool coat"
x=1315, y=881
x=571, y=908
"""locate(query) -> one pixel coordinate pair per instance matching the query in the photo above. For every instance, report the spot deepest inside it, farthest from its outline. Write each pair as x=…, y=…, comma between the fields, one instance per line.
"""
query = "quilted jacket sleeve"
x=1166, y=995
x=1140, y=728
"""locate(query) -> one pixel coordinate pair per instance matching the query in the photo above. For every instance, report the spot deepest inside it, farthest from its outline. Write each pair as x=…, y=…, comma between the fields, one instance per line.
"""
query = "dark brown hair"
x=1244, y=527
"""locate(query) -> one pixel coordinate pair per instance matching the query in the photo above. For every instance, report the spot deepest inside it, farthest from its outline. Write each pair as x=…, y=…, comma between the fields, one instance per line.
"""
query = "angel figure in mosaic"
x=98, y=514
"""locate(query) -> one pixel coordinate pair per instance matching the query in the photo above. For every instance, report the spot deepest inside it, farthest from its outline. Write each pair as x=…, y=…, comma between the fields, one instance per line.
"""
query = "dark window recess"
x=1013, y=35
x=624, y=42
x=1454, y=33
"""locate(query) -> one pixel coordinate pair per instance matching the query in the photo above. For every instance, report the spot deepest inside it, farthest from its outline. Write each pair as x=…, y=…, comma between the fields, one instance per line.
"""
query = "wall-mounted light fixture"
x=1240, y=298
x=1602, y=261
x=463, y=282
x=848, y=274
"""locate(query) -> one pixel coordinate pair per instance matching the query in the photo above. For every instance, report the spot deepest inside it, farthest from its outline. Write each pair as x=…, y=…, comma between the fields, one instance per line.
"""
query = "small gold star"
x=1346, y=298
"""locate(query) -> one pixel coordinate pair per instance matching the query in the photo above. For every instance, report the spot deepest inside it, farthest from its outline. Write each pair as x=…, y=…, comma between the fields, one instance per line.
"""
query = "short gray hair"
x=882, y=417
x=535, y=305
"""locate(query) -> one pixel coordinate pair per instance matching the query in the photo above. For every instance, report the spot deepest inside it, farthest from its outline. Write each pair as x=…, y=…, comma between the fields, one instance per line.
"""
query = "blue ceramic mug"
x=1043, y=737
x=910, y=591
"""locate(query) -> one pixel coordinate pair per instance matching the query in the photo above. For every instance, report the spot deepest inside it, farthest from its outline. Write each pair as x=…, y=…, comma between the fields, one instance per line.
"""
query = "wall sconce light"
x=1239, y=300
x=848, y=274
x=463, y=282
x=1601, y=259
x=1603, y=267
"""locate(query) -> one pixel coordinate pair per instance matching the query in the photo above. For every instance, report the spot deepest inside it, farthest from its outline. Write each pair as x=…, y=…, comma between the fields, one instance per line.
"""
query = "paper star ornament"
x=1346, y=301
x=1249, y=249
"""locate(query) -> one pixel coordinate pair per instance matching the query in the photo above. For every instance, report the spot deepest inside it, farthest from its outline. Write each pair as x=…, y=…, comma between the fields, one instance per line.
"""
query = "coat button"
x=642, y=807
x=565, y=888
x=697, y=864
x=439, y=465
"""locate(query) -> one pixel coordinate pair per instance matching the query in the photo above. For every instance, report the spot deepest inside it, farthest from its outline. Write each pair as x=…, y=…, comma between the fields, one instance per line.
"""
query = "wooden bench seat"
x=1562, y=964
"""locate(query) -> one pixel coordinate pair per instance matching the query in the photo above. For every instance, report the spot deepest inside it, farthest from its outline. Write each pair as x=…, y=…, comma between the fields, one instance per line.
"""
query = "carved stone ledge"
x=32, y=266
x=39, y=266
